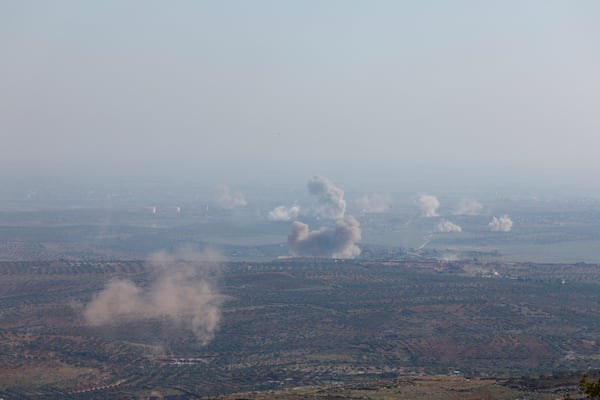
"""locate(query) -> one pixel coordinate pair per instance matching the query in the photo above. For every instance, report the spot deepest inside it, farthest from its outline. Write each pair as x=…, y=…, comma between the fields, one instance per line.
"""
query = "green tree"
x=589, y=387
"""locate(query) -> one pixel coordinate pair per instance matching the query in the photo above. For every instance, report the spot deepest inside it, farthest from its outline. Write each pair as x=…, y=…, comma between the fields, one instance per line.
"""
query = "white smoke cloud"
x=428, y=205
x=336, y=242
x=225, y=198
x=182, y=291
x=468, y=206
x=284, y=213
x=447, y=226
x=376, y=203
x=502, y=224
x=331, y=199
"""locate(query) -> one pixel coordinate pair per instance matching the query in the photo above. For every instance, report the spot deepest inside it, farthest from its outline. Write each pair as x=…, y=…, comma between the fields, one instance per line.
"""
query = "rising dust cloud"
x=446, y=226
x=225, y=198
x=502, y=224
x=331, y=198
x=284, y=213
x=338, y=241
x=182, y=291
x=467, y=206
x=428, y=205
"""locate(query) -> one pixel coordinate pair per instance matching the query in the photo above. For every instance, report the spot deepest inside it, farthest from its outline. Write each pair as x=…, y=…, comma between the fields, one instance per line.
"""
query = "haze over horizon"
x=260, y=91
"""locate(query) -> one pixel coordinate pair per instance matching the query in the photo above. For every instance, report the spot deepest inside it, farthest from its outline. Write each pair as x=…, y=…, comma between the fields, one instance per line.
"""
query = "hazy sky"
x=271, y=87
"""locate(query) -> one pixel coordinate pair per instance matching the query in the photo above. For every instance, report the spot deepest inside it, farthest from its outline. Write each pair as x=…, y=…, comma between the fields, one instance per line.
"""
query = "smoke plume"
x=225, y=198
x=182, y=291
x=376, y=203
x=502, y=224
x=468, y=206
x=336, y=242
x=447, y=226
x=284, y=213
x=428, y=205
x=331, y=199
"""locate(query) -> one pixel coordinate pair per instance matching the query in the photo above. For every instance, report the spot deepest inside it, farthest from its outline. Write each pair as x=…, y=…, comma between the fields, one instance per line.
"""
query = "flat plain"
x=301, y=323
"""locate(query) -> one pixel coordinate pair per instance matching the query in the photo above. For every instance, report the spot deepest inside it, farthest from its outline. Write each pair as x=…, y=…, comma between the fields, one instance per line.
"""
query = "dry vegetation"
x=422, y=388
x=312, y=328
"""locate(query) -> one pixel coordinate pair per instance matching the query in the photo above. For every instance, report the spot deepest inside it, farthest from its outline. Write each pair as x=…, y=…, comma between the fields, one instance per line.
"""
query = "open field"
x=545, y=229
x=300, y=322
x=423, y=387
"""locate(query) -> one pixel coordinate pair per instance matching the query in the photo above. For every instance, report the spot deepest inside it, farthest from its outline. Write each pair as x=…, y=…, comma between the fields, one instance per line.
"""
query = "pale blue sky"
x=271, y=87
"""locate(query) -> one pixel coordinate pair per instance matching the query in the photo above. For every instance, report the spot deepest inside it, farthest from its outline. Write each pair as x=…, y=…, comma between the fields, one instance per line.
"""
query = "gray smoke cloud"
x=502, y=224
x=336, y=242
x=331, y=199
x=376, y=203
x=182, y=291
x=468, y=206
x=284, y=213
x=447, y=226
x=428, y=205
x=225, y=198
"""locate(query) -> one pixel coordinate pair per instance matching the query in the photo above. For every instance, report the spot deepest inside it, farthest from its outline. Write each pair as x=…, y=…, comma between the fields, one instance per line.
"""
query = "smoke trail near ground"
x=447, y=226
x=182, y=291
x=225, y=198
x=284, y=213
x=376, y=203
x=428, y=205
x=336, y=242
x=502, y=224
x=331, y=199
x=468, y=206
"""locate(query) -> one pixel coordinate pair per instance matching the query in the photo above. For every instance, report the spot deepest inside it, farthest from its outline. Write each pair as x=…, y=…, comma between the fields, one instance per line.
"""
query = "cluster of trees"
x=590, y=388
